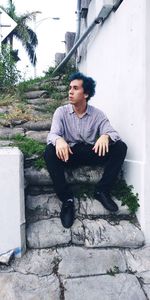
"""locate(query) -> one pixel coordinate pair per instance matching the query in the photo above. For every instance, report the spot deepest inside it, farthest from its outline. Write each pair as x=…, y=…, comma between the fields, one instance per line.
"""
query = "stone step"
x=97, y=233
x=38, y=125
x=40, y=136
x=77, y=273
x=61, y=88
x=105, y=287
x=38, y=101
x=36, y=94
x=84, y=174
x=10, y=132
x=47, y=206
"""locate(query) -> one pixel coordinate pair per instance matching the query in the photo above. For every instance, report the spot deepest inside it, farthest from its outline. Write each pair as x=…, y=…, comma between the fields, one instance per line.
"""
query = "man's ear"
x=86, y=95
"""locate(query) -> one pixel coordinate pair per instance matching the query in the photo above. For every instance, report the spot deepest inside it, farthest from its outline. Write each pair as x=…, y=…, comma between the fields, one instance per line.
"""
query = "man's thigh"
x=84, y=155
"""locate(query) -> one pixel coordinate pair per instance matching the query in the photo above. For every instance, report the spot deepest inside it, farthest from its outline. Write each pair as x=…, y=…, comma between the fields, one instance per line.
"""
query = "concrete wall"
x=117, y=55
x=12, y=210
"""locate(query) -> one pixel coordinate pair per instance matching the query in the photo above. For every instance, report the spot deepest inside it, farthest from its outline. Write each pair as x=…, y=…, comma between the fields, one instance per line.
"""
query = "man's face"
x=76, y=92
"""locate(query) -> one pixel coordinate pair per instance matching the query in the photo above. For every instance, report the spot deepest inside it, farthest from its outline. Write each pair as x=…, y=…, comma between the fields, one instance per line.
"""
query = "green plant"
x=121, y=191
x=39, y=163
x=28, y=146
x=124, y=193
x=9, y=75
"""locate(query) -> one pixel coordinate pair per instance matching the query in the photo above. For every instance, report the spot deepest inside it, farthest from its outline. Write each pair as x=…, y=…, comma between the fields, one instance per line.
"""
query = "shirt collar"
x=71, y=111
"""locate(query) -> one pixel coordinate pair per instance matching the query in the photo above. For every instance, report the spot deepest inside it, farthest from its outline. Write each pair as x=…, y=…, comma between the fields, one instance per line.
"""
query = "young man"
x=82, y=134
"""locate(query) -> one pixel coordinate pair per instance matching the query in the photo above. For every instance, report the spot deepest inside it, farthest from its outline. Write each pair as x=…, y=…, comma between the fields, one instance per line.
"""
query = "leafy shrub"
x=9, y=75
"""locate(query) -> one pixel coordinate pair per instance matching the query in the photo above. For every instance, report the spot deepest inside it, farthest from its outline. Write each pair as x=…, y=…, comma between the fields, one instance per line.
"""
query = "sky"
x=50, y=33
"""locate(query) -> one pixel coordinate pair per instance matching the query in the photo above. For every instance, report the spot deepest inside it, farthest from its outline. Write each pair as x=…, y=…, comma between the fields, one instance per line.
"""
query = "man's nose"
x=71, y=91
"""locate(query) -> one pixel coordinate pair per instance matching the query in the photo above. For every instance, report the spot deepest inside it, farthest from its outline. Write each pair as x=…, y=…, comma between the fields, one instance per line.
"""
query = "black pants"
x=84, y=155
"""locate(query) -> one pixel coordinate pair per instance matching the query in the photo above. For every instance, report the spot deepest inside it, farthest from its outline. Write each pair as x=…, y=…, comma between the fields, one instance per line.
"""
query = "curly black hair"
x=88, y=83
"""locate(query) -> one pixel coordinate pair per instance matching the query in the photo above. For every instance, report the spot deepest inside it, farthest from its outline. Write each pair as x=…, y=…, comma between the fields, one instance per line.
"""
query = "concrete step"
x=85, y=174
x=10, y=132
x=36, y=94
x=40, y=136
x=97, y=233
x=45, y=206
x=38, y=101
x=38, y=125
x=77, y=273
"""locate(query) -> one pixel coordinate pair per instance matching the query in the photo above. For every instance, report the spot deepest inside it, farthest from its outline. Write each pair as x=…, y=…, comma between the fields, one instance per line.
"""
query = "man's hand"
x=62, y=149
x=101, y=146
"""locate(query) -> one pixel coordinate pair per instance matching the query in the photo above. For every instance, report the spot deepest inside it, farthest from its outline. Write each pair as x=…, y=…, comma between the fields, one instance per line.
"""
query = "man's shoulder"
x=95, y=110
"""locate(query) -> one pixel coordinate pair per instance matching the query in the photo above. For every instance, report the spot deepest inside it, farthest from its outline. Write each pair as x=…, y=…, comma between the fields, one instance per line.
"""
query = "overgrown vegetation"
x=30, y=147
x=121, y=191
x=125, y=194
x=9, y=75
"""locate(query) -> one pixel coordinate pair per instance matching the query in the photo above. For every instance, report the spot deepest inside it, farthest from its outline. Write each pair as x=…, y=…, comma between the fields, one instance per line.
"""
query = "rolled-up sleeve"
x=56, y=130
x=106, y=128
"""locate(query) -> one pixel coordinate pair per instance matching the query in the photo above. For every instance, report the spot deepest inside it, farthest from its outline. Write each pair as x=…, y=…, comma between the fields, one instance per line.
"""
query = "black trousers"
x=84, y=155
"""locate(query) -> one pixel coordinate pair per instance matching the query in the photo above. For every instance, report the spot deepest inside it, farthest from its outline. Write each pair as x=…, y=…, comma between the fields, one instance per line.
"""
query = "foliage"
x=39, y=163
x=65, y=72
x=124, y=193
x=121, y=191
x=25, y=86
x=9, y=75
x=28, y=146
x=22, y=31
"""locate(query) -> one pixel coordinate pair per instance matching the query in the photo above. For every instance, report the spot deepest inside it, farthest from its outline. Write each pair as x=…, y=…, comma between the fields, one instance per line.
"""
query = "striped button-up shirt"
x=85, y=129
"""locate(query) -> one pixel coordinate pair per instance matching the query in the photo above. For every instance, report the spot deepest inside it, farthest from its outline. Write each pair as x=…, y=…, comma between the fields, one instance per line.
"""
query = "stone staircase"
x=102, y=257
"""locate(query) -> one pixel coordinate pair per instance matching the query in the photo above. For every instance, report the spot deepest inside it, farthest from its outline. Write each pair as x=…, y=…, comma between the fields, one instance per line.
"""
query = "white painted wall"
x=118, y=58
x=12, y=210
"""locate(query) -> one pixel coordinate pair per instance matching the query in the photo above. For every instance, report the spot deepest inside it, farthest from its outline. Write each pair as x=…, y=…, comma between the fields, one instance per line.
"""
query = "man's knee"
x=120, y=148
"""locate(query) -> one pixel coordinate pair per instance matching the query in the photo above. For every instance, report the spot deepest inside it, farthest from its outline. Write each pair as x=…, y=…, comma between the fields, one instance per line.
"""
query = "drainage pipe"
x=103, y=14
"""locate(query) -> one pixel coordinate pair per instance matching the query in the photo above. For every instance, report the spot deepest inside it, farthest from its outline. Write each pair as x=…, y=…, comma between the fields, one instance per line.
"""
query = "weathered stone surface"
x=138, y=260
x=78, y=233
x=61, y=88
x=92, y=207
x=39, y=125
x=48, y=204
x=146, y=289
x=80, y=175
x=6, y=143
x=41, y=189
x=145, y=281
x=47, y=233
x=10, y=132
x=100, y=233
x=39, y=101
x=105, y=287
x=39, y=136
x=16, y=286
x=38, y=262
x=84, y=174
x=36, y=177
x=44, y=206
x=86, y=262
x=36, y=94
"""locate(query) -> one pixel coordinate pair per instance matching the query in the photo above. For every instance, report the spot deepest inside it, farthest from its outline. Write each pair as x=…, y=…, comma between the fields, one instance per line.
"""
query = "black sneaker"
x=67, y=213
x=105, y=199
